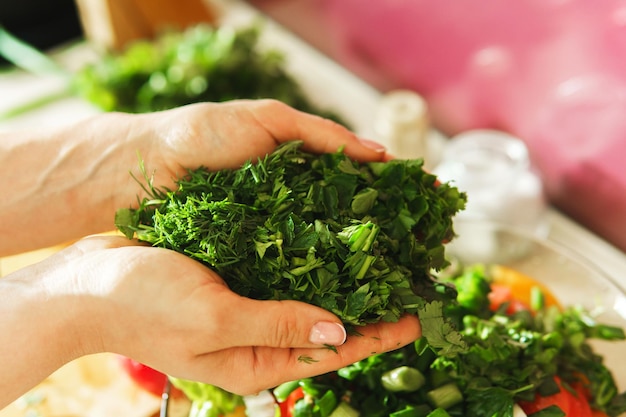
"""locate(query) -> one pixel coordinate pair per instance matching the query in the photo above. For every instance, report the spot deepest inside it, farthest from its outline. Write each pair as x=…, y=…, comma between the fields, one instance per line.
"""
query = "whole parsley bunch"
x=359, y=240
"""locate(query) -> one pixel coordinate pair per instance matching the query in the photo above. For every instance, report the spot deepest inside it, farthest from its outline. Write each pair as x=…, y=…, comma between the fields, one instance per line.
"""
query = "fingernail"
x=373, y=145
x=327, y=333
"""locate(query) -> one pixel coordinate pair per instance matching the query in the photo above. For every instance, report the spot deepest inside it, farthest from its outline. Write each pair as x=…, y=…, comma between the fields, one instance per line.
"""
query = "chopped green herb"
x=285, y=227
x=306, y=359
x=331, y=347
x=360, y=240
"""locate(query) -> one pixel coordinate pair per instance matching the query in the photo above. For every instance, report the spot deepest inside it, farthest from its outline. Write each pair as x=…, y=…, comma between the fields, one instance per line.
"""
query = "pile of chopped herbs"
x=201, y=63
x=508, y=358
x=358, y=239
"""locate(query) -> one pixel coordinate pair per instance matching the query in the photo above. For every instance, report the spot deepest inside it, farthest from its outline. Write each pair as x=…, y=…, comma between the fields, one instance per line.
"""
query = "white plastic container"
x=402, y=124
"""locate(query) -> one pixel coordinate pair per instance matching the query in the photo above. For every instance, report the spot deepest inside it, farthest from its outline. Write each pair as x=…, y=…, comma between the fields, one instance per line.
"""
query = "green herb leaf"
x=359, y=240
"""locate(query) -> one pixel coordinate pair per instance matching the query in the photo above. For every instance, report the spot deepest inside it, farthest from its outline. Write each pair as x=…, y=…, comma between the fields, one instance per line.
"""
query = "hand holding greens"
x=359, y=240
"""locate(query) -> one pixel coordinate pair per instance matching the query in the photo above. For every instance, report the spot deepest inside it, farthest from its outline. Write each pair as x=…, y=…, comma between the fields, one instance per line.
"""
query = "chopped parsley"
x=358, y=239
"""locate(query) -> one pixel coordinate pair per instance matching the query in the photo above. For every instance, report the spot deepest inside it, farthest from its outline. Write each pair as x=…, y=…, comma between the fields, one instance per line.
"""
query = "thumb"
x=284, y=324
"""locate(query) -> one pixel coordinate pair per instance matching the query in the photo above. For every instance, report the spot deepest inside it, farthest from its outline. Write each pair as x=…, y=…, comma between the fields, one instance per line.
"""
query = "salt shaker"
x=402, y=124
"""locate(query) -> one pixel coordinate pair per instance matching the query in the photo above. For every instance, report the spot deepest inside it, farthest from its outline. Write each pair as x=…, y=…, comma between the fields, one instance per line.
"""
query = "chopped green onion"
x=344, y=410
x=403, y=379
x=438, y=412
x=282, y=391
x=421, y=410
x=326, y=405
x=445, y=396
x=537, y=299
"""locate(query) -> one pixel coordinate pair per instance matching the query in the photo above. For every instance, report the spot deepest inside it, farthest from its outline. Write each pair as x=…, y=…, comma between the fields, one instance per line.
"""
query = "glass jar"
x=495, y=171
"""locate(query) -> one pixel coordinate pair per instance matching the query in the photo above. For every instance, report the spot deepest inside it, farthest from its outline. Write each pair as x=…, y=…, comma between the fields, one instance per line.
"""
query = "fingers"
x=278, y=341
x=319, y=135
x=266, y=367
x=371, y=340
x=282, y=324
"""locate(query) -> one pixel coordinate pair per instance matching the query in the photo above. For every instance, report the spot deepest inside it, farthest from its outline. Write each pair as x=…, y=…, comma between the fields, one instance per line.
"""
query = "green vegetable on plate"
x=538, y=359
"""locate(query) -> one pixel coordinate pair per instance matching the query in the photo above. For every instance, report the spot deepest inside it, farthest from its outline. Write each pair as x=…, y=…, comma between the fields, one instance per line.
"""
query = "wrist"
x=43, y=327
x=119, y=142
x=59, y=312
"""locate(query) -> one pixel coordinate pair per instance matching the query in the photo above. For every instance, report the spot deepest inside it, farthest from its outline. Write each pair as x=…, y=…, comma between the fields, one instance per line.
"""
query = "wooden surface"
x=112, y=24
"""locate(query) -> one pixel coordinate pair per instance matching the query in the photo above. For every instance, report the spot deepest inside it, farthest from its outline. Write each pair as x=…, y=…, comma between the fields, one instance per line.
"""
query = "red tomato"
x=562, y=399
x=515, y=288
x=501, y=294
x=145, y=377
x=573, y=405
x=287, y=406
x=579, y=402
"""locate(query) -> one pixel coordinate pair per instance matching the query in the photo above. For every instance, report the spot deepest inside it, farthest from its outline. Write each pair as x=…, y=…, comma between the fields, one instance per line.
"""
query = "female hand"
x=161, y=308
x=59, y=185
x=225, y=135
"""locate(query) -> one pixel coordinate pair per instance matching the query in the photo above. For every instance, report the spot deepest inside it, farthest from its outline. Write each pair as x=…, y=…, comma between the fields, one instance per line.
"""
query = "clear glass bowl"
x=572, y=278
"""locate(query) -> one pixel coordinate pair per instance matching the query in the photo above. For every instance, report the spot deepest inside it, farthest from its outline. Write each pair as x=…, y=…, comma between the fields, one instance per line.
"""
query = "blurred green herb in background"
x=202, y=63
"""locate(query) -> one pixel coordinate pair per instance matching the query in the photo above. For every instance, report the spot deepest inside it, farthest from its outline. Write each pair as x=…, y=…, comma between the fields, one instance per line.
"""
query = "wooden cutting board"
x=112, y=24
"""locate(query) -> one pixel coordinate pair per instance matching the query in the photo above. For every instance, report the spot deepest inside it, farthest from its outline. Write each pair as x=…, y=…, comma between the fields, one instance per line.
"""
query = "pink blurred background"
x=552, y=72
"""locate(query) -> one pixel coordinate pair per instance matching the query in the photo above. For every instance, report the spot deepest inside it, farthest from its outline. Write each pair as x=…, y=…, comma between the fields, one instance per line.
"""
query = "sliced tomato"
x=562, y=399
x=147, y=378
x=287, y=406
x=501, y=294
x=579, y=402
